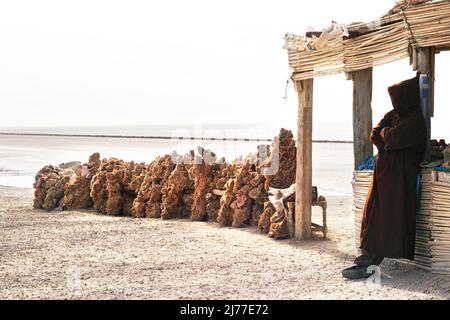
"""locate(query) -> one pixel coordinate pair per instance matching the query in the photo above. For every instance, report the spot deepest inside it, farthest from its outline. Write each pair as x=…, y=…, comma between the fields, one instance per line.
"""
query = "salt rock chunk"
x=177, y=186
x=133, y=177
x=221, y=173
x=226, y=172
x=225, y=216
x=99, y=184
x=202, y=173
x=242, y=204
x=280, y=168
x=149, y=196
x=264, y=220
x=153, y=206
x=279, y=228
x=40, y=190
x=55, y=192
x=258, y=195
x=99, y=194
x=248, y=190
x=241, y=212
x=114, y=203
x=115, y=186
x=226, y=182
x=77, y=193
x=49, y=186
x=139, y=204
x=93, y=164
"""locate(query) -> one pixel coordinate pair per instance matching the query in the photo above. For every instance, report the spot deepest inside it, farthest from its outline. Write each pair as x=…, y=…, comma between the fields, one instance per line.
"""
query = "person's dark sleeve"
x=375, y=135
x=409, y=132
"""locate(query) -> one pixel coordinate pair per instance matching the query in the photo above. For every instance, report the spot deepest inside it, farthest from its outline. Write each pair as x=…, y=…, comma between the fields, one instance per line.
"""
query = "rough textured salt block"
x=148, y=201
x=77, y=192
x=250, y=195
x=281, y=223
x=202, y=173
x=115, y=185
x=221, y=173
x=225, y=216
x=264, y=220
x=49, y=185
x=179, y=184
x=280, y=167
x=279, y=228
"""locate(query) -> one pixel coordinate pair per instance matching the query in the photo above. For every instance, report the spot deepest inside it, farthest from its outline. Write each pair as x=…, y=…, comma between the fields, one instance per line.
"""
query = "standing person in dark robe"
x=389, y=220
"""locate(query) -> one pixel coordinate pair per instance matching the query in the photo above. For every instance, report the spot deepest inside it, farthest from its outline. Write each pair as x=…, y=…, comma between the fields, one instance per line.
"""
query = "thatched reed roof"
x=411, y=24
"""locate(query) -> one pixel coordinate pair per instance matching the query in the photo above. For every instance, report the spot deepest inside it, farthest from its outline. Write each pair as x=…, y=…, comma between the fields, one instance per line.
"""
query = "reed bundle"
x=440, y=227
x=429, y=24
x=388, y=44
x=423, y=230
x=361, y=185
x=318, y=63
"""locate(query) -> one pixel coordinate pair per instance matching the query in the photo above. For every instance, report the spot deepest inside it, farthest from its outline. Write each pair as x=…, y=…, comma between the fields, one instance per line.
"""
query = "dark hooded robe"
x=389, y=218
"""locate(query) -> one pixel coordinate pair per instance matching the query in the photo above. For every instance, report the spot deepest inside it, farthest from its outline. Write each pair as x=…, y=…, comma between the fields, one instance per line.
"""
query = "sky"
x=107, y=63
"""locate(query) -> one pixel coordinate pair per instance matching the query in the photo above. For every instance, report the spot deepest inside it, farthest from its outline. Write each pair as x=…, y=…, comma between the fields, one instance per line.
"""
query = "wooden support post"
x=413, y=59
x=424, y=60
x=362, y=115
x=425, y=65
x=303, y=201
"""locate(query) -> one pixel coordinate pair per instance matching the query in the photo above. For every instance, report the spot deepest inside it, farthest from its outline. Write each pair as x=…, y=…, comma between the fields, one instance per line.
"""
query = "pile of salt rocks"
x=197, y=186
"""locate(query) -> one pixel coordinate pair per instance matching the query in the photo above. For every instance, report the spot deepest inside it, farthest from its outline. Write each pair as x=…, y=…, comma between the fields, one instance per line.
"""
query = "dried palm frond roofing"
x=400, y=5
x=411, y=24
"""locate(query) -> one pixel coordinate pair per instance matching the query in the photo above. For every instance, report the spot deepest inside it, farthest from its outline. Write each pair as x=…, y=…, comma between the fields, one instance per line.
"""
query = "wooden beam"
x=425, y=58
x=362, y=115
x=303, y=189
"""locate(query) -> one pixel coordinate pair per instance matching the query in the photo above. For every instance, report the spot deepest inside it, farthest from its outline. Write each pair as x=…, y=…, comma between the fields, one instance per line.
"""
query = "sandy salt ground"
x=80, y=255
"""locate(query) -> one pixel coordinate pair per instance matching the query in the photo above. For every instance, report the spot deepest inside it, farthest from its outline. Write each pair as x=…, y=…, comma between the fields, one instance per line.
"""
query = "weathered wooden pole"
x=303, y=189
x=425, y=65
x=362, y=115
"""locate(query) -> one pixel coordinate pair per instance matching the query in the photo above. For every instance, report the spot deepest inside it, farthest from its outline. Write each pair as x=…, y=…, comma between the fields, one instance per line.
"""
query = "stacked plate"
x=423, y=231
x=361, y=185
x=440, y=224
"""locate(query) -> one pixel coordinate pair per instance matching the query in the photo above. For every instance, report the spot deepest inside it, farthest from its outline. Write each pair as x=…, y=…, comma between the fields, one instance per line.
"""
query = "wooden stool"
x=317, y=201
x=321, y=202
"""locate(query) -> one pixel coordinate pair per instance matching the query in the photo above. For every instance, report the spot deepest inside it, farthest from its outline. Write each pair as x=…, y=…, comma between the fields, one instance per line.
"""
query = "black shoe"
x=356, y=273
x=367, y=260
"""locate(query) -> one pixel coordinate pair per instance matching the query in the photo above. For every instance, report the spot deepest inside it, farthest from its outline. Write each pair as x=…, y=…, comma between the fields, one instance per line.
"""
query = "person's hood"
x=405, y=96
